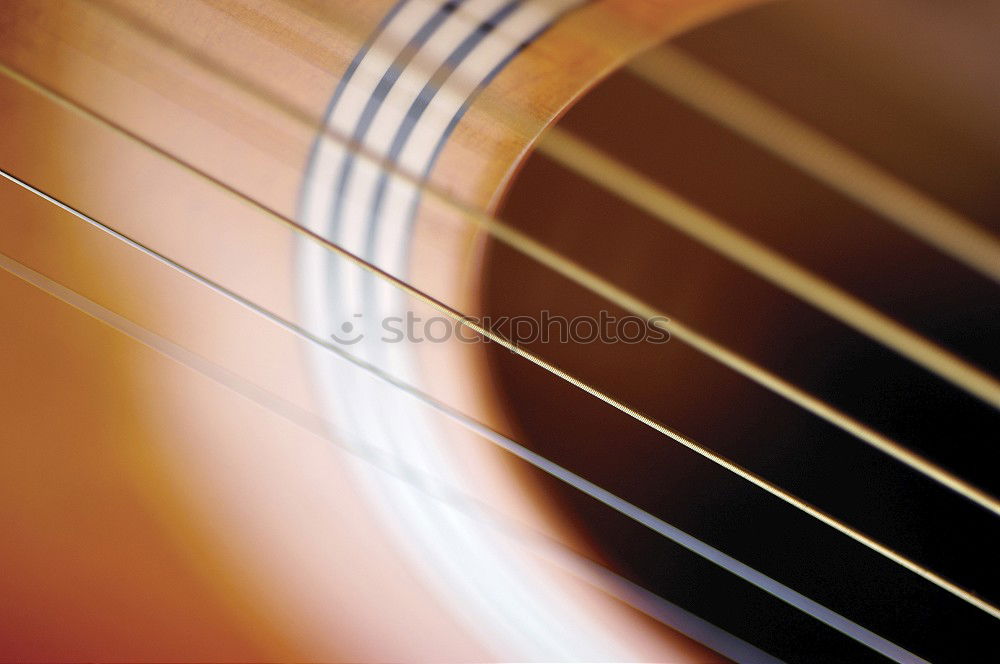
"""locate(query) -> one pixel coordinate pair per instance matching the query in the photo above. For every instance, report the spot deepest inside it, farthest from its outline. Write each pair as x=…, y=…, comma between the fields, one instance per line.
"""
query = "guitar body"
x=183, y=478
x=178, y=518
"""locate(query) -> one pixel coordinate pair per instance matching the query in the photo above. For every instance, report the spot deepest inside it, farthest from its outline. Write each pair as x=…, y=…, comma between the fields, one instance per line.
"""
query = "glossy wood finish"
x=213, y=521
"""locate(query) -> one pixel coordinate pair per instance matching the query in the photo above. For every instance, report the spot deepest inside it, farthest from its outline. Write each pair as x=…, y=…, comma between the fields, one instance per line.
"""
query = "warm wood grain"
x=207, y=506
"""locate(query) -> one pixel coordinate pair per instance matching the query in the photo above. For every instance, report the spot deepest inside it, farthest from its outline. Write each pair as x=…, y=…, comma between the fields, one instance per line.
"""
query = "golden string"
x=576, y=273
x=679, y=75
x=679, y=214
x=458, y=317
x=322, y=427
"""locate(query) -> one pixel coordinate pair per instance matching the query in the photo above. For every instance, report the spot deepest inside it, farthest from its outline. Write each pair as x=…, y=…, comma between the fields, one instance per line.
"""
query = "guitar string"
x=672, y=210
x=460, y=318
x=316, y=424
x=540, y=544
x=583, y=277
x=543, y=545
x=681, y=215
x=681, y=76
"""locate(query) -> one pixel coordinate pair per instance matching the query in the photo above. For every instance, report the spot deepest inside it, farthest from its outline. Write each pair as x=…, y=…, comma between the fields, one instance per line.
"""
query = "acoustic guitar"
x=499, y=330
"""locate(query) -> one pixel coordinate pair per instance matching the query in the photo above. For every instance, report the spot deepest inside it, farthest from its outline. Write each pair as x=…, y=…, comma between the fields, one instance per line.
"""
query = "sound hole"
x=825, y=82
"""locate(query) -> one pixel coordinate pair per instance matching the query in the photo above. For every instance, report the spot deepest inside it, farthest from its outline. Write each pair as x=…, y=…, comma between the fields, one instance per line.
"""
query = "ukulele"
x=499, y=330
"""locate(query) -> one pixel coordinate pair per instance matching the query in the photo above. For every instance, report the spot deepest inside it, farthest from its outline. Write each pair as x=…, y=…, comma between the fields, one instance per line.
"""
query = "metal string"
x=646, y=194
x=458, y=317
x=316, y=424
x=576, y=273
x=676, y=73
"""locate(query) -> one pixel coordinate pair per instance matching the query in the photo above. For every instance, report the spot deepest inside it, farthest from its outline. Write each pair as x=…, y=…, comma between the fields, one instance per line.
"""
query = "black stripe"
x=374, y=103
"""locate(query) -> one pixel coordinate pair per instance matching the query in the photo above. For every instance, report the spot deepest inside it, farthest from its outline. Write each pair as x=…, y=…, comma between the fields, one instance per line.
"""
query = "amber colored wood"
x=212, y=502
